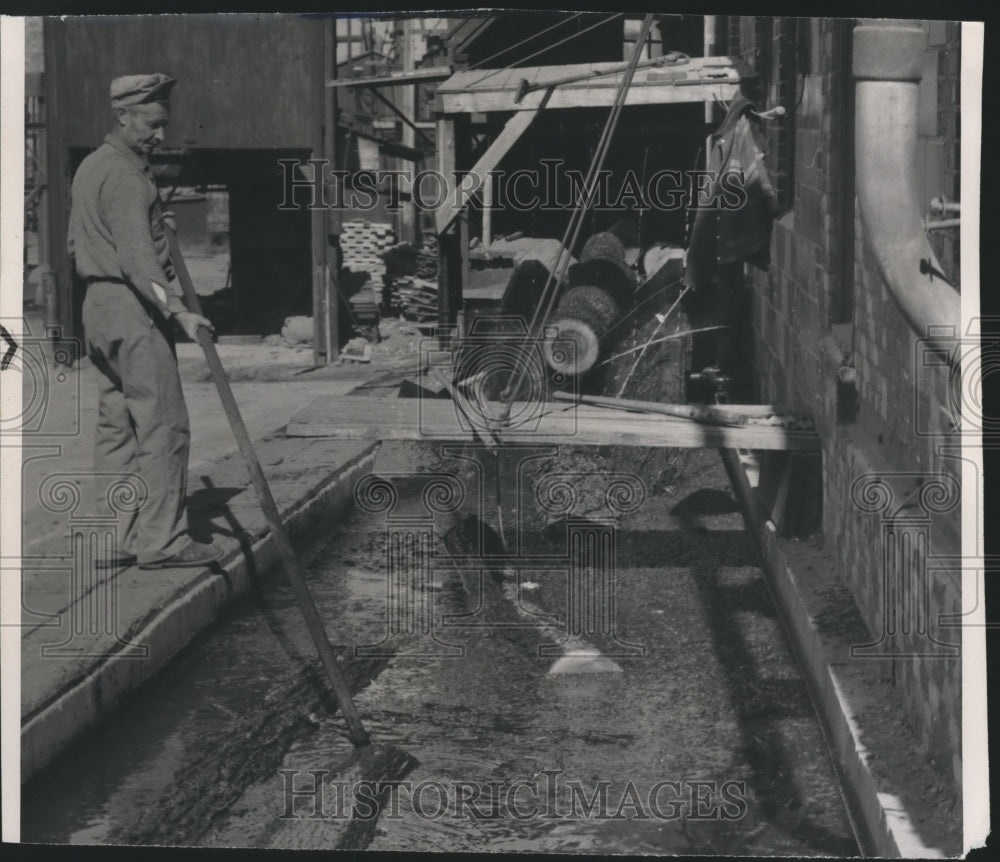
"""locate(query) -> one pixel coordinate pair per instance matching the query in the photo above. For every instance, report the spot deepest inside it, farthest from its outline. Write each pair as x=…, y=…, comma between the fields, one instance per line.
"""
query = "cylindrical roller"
x=584, y=316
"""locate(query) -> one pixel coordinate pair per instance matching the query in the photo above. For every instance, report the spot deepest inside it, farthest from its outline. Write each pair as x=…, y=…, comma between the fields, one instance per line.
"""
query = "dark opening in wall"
x=252, y=268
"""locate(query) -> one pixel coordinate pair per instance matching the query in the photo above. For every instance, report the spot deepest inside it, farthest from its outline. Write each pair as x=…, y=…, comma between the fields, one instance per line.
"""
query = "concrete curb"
x=876, y=808
x=167, y=629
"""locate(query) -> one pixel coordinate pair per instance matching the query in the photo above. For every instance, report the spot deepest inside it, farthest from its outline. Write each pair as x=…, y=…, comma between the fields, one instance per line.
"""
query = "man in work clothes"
x=118, y=242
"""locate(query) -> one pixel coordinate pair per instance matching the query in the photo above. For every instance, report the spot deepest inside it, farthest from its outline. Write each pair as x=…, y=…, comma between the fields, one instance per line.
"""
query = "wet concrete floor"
x=662, y=715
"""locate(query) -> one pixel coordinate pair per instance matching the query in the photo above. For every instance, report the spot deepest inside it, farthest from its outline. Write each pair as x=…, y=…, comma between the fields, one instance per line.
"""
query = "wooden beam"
x=509, y=135
x=702, y=79
x=59, y=308
x=464, y=279
x=360, y=418
x=431, y=73
x=325, y=296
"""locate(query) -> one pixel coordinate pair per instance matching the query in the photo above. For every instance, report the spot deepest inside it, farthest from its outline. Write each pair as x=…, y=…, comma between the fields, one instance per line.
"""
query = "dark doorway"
x=250, y=260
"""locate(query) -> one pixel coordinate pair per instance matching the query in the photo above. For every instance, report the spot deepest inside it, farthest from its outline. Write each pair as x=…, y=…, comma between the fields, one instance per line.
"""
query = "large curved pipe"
x=888, y=61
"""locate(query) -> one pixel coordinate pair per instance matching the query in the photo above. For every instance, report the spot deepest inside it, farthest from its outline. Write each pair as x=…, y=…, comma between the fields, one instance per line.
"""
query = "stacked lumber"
x=414, y=298
x=410, y=285
x=363, y=243
x=427, y=258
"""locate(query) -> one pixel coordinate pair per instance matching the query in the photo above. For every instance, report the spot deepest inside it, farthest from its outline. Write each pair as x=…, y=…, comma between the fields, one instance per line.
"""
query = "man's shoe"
x=122, y=562
x=194, y=556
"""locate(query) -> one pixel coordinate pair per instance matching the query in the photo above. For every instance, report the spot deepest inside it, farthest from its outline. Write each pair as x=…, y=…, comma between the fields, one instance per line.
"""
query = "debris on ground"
x=357, y=350
x=297, y=330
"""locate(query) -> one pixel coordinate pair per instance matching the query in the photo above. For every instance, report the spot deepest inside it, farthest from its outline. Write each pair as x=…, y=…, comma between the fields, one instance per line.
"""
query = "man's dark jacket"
x=723, y=234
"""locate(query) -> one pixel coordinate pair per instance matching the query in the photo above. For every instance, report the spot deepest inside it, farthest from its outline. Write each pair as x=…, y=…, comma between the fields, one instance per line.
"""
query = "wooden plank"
x=705, y=79
x=696, y=66
x=592, y=96
x=359, y=418
x=432, y=73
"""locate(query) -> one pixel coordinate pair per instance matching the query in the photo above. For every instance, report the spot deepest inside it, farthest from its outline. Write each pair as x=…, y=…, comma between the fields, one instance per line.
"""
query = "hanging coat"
x=733, y=227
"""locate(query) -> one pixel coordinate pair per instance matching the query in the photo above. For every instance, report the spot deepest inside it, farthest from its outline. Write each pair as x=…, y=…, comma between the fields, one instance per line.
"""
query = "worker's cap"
x=139, y=89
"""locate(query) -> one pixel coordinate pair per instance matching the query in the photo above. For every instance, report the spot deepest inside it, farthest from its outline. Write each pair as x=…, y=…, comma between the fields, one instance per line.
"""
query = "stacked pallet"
x=364, y=306
x=427, y=258
x=413, y=298
x=363, y=243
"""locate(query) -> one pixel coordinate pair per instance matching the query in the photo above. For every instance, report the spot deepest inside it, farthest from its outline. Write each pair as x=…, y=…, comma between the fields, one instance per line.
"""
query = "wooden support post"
x=446, y=235
x=408, y=101
x=446, y=168
x=60, y=307
x=321, y=299
x=487, y=210
x=318, y=302
x=449, y=277
x=458, y=294
x=331, y=274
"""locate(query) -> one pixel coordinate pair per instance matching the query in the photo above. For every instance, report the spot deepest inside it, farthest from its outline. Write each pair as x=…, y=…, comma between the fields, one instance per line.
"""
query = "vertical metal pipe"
x=888, y=60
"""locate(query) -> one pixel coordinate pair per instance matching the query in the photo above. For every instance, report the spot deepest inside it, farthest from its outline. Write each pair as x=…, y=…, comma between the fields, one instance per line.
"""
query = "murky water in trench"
x=690, y=732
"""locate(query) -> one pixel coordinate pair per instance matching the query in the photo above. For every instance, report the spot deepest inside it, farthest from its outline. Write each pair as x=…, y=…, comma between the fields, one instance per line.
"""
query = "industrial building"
x=566, y=250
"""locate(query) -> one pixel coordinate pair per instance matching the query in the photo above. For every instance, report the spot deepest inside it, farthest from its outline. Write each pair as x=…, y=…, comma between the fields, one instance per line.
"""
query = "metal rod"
x=942, y=224
x=652, y=335
x=550, y=290
x=286, y=554
x=673, y=337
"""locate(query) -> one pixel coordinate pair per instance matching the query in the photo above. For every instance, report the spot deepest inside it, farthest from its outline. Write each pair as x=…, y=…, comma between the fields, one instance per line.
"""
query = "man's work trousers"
x=142, y=423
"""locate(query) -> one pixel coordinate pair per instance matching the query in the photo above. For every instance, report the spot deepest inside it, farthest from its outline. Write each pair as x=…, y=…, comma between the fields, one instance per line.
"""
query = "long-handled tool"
x=356, y=730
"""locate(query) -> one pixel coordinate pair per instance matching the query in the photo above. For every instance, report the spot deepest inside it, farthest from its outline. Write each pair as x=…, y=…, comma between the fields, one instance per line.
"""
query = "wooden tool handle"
x=286, y=554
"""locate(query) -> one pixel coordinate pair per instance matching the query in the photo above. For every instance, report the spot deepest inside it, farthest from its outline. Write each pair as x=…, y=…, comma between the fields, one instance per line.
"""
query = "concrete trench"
x=691, y=687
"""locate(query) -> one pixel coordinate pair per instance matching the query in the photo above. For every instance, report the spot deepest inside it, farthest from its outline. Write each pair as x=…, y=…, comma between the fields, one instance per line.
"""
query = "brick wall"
x=824, y=283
